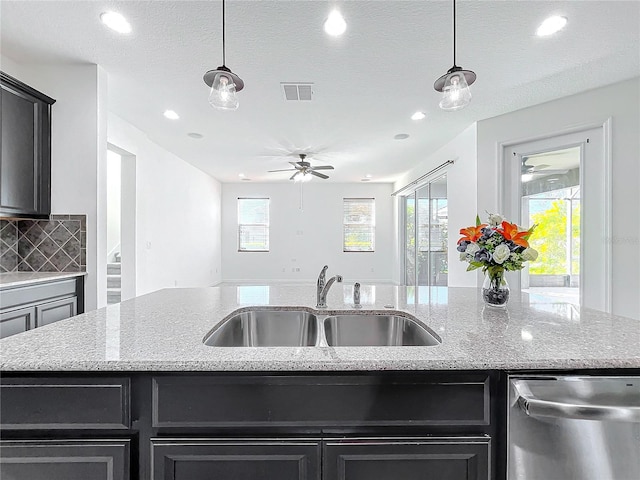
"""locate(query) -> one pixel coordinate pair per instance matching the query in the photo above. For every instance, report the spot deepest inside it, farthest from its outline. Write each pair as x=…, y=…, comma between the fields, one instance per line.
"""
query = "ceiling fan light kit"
x=454, y=85
x=224, y=84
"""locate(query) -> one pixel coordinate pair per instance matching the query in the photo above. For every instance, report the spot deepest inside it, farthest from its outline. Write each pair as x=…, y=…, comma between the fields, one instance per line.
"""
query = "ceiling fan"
x=303, y=167
x=540, y=169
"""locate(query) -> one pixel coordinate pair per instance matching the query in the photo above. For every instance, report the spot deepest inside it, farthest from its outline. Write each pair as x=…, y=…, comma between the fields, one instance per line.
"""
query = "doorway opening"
x=551, y=200
x=114, y=222
x=120, y=225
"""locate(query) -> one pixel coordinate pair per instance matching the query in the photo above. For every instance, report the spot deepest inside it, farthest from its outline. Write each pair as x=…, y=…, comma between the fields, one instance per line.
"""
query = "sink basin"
x=368, y=330
x=266, y=328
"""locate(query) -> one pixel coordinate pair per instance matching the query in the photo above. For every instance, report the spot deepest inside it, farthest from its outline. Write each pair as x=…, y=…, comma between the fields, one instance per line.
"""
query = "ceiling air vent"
x=297, y=91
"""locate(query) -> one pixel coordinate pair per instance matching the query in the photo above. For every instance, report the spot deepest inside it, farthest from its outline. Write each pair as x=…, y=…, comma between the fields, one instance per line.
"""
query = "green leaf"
x=473, y=266
x=477, y=220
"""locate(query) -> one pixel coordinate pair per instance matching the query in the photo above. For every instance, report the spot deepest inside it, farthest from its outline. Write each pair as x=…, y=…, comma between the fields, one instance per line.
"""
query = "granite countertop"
x=19, y=279
x=163, y=331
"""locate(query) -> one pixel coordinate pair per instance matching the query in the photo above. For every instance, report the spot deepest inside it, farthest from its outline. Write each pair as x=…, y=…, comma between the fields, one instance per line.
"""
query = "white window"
x=253, y=224
x=359, y=225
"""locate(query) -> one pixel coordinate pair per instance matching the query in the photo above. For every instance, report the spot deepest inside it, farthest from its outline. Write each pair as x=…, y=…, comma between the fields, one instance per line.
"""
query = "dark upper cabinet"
x=25, y=158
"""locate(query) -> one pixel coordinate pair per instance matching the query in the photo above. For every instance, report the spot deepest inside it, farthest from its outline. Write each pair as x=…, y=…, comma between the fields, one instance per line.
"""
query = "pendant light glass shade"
x=223, y=92
x=455, y=93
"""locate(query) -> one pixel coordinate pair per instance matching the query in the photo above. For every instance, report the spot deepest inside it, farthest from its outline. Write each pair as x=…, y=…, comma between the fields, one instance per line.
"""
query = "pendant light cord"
x=454, y=32
x=223, y=43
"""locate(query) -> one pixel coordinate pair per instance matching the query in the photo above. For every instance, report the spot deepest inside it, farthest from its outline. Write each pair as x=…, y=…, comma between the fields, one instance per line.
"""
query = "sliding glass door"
x=425, y=221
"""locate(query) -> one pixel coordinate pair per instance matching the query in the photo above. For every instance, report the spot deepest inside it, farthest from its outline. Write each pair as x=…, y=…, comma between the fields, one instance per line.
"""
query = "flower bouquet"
x=495, y=246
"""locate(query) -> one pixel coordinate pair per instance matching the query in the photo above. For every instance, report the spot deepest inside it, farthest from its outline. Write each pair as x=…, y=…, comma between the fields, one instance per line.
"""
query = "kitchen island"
x=131, y=391
x=164, y=330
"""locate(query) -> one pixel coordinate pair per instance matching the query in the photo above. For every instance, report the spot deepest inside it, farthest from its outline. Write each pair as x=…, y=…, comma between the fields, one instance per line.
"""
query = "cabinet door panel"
x=16, y=321
x=55, y=311
x=19, y=166
x=241, y=460
x=67, y=460
x=419, y=459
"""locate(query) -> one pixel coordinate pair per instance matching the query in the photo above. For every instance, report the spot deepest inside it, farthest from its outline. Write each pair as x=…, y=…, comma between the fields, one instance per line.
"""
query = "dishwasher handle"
x=537, y=407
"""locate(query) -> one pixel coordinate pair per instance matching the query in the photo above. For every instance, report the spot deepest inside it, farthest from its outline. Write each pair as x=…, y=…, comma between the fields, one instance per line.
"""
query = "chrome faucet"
x=323, y=287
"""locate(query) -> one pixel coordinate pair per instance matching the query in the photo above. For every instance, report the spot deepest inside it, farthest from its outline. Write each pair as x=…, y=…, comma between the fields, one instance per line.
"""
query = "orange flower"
x=511, y=232
x=471, y=234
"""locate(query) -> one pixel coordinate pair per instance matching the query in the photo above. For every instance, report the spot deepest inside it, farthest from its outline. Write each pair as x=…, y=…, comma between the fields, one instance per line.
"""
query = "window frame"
x=372, y=225
x=240, y=225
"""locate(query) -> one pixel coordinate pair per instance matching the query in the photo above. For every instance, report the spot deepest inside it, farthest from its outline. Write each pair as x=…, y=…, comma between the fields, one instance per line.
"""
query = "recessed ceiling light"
x=195, y=135
x=551, y=25
x=116, y=22
x=241, y=175
x=401, y=136
x=335, y=24
x=368, y=175
x=171, y=115
x=418, y=116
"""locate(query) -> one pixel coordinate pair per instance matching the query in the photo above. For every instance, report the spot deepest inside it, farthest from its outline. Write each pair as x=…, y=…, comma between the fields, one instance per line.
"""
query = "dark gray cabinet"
x=407, y=459
x=25, y=307
x=64, y=460
x=183, y=459
x=25, y=153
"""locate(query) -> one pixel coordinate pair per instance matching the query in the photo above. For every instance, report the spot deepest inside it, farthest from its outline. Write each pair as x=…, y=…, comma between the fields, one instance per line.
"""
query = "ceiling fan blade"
x=295, y=164
x=321, y=175
x=284, y=170
x=322, y=167
x=295, y=175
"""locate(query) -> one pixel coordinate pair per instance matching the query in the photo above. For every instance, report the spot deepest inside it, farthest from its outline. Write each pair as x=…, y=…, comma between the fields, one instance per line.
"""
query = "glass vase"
x=495, y=289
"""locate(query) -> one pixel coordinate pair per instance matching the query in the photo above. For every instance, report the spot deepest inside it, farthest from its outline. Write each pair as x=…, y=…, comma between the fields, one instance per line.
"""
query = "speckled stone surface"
x=18, y=279
x=163, y=331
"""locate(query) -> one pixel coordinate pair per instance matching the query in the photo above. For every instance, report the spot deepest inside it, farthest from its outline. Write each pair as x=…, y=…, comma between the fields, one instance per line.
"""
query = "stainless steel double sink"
x=273, y=327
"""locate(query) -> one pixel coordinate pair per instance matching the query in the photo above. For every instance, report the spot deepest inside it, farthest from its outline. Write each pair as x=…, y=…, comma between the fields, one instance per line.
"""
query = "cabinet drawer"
x=451, y=458
x=64, y=403
x=184, y=459
x=327, y=401
x=52, y=312
x=65, y=460
x=13, y=297
x=16, y=321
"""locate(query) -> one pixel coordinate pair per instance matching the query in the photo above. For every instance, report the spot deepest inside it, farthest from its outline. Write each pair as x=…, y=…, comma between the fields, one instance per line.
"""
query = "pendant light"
x=223, y=82
x=454, y=84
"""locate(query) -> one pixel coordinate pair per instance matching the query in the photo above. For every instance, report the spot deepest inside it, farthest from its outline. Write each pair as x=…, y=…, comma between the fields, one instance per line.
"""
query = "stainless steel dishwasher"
x=573, y=428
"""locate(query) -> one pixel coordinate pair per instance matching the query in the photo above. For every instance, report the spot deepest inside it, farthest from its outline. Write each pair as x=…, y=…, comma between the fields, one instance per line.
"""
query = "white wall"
x=619, y=101
x=78, y=137
x=307, y=239
x=114, y=161
x=461, y=201
x=178, y=212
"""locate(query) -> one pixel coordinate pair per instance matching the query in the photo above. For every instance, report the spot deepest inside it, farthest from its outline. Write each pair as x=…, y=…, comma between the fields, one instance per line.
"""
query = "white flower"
x=463, y=257
x=472, y=248
x=495, y=219
x=529, y=254
x=501, y=253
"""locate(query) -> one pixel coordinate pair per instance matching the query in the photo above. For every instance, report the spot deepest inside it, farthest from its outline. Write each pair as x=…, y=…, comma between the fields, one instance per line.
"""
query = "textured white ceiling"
x=367, y=82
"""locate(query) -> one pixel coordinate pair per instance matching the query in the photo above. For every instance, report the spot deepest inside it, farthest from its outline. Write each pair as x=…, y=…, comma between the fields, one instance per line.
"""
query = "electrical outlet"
x=297, y=269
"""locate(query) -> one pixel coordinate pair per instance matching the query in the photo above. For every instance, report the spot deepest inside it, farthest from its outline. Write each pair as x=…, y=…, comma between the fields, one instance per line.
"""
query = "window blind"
x=359, y=224
x=253, y=224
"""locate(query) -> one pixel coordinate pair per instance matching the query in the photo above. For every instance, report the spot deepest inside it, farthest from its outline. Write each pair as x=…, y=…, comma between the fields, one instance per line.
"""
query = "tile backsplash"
x=55, y=245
